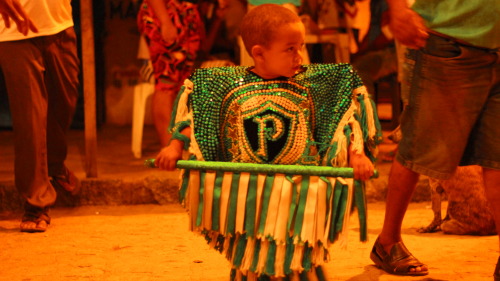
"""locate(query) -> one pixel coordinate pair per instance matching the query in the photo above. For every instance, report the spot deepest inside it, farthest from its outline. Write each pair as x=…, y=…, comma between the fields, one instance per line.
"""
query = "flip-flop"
x=35, y=219
x=398, y=262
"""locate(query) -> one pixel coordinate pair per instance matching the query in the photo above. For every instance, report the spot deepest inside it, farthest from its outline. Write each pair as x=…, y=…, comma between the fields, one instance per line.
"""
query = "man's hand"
x=12, y=9
x=408, y=27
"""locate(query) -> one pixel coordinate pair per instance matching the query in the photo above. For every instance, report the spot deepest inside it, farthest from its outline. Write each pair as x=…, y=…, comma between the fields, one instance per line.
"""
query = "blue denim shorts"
x=453, y=115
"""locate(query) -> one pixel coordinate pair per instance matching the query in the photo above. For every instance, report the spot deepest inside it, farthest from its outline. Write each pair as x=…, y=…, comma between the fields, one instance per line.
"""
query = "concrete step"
x=123, y=179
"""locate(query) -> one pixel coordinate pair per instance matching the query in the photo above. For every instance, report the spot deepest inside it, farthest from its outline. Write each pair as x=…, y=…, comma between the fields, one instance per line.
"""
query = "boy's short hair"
x=260, y=24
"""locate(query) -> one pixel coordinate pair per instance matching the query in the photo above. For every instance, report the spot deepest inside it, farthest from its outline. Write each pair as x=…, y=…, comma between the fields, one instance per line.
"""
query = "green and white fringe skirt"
x=271, y=224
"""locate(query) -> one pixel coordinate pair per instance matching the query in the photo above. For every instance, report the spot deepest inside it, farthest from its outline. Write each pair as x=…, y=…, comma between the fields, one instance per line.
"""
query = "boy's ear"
x=257, y=52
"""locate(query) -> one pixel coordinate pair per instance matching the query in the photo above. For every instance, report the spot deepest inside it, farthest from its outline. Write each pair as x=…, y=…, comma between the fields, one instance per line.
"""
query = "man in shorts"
x=453, y=77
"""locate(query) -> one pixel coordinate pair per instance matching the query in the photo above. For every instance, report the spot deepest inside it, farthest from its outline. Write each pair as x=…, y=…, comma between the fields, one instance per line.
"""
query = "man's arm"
x=167, y=27
x=12, y=9
x=406, y=25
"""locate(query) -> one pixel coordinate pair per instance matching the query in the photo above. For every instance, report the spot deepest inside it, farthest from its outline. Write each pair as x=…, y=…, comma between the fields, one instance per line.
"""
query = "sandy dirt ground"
x=152, y=242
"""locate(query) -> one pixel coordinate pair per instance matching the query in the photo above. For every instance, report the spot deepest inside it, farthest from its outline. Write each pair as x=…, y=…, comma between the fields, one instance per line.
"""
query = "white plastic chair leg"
x=141, y=93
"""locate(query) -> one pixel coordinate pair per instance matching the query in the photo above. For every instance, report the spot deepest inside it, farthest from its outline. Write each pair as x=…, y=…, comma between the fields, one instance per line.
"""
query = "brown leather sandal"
x=399, y=262
x=35, y=219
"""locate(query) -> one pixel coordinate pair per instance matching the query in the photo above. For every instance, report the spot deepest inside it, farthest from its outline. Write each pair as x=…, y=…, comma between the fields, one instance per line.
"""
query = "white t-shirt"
x=49, y=16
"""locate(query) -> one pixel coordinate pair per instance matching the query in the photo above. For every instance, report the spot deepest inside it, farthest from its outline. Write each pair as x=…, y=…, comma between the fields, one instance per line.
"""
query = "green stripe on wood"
x=299, y=218
x=200, y=195
x=266, y=195
x=271, y=258
x=360, y=203
x=256, y=252
x=337, y=195
x=233, y=200
x=251, y=205
x=240, y=250
x=184, y=187
x=216, y=201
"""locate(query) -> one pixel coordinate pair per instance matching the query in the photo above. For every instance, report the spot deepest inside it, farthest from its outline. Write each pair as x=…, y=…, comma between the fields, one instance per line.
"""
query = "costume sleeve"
x=367, y=132
x=181, y=114
x=358, y=127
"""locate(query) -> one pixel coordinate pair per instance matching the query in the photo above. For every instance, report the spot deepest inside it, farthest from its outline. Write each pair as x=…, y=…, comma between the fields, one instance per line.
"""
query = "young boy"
x=273, y=226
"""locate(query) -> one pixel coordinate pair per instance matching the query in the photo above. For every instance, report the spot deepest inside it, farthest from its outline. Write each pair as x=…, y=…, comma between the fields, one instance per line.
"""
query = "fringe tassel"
x=280, y=260
x=345, y=222
x=321, y=211
x=251, y=204
x=364, y=125
x=224, y=201
x=270, y=224
x=281, y=230
x=242, y=198
x=239, y=251
x=248, y=257
x=338, y=151
x=274, y=202
x=271, y=259
x=261, y=182
x=194, y=148
x=226, y=247
x=367, y=112
x=208, y=200
x=298, y=253
x=194, y=188
x=309, y=223
x=183, y=113
x=318, y=256
x=360, y=202
x=184, y=179
x=261, y=265
x=357, y=142
x=182, y=102
x=252, y=277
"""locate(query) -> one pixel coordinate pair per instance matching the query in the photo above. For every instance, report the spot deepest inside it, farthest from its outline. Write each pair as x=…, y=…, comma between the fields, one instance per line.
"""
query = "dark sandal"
x=399, y=262
x=35, y=219
x=496, y=274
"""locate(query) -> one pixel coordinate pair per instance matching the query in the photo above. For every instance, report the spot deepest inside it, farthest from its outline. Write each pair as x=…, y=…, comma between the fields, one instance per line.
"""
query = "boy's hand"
x=169, y=155
x=363, y=167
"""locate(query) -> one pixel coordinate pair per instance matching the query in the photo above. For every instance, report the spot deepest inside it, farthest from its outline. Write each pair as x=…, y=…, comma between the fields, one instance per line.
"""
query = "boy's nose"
x=299, y=56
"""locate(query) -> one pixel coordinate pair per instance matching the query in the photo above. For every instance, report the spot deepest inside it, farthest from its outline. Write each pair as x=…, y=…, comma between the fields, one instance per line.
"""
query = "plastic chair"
x=145, y=88
x=142, y=91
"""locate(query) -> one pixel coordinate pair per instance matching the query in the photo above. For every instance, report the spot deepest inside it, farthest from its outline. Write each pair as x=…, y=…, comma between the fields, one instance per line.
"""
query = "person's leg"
x=492, y=189
x=61, y=78
x=402, y=183
x=162, y=105
x=62, y=86
x=486, y=151
x=24, y=78
x=172, y=64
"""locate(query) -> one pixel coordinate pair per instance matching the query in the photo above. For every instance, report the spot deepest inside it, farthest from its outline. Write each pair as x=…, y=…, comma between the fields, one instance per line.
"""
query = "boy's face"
x=283, y=57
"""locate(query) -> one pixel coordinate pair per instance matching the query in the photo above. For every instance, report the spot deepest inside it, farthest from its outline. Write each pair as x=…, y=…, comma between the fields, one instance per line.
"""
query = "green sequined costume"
x=273, y=224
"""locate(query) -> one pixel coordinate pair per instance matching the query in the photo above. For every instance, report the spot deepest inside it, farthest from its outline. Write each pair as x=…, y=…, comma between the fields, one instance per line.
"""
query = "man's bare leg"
x=402, y=183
